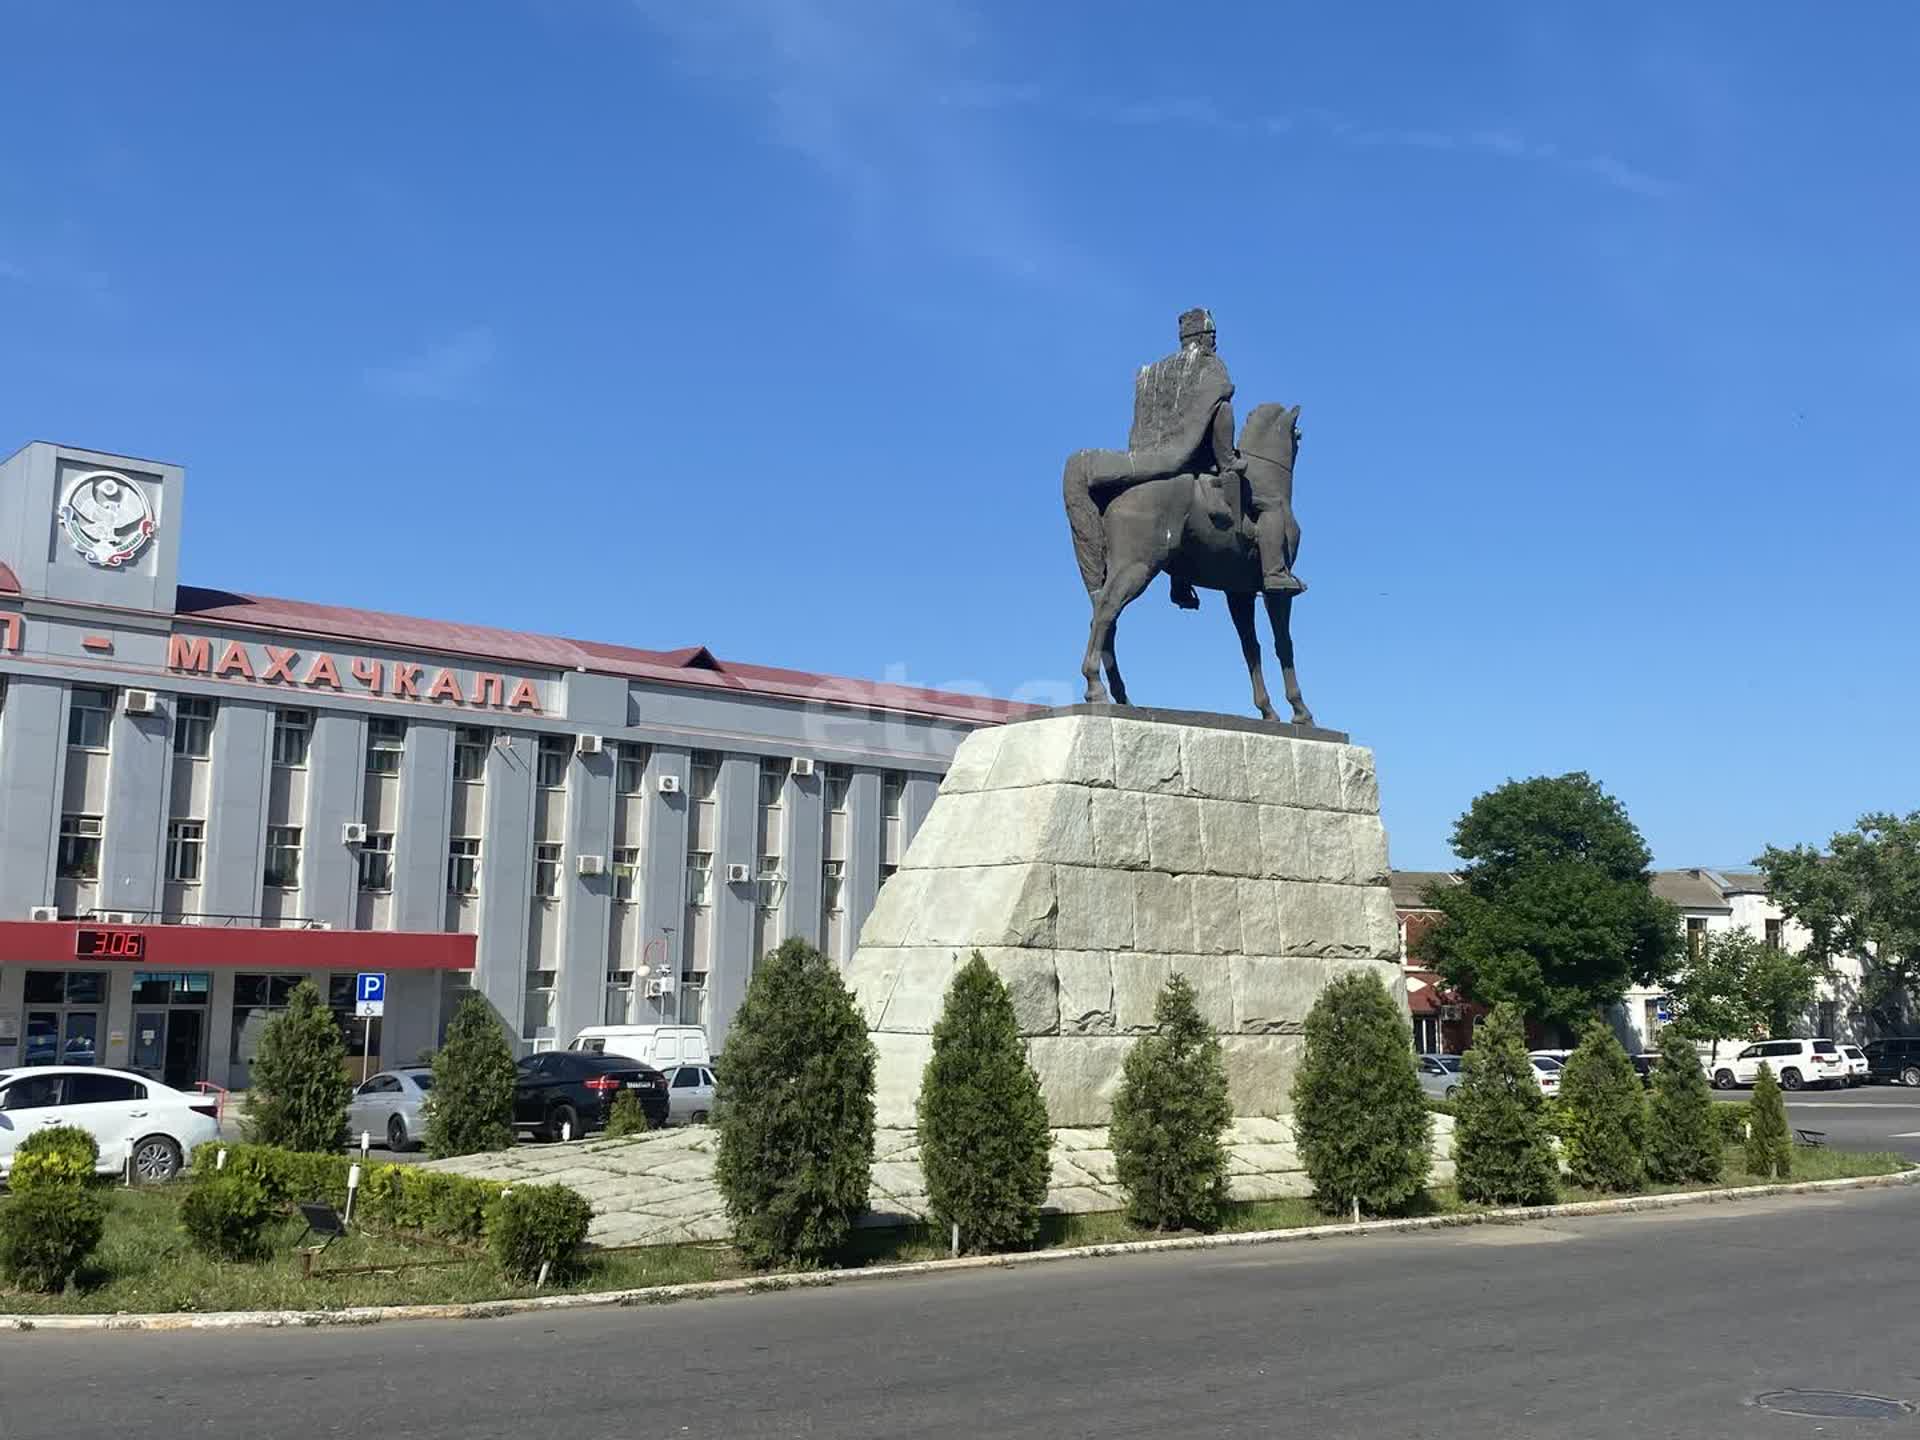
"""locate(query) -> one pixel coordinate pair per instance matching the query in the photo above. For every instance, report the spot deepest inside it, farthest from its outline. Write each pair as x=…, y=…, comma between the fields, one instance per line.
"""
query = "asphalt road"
x=1871, y=1117
x=1663, y=1324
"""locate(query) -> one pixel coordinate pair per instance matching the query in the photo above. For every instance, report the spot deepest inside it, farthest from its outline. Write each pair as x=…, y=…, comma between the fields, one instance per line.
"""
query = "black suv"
x=565, y=1093
x=1894, y=1059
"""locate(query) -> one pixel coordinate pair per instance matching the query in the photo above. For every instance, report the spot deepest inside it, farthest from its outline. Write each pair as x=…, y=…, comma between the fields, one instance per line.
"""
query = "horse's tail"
x=1083, y=515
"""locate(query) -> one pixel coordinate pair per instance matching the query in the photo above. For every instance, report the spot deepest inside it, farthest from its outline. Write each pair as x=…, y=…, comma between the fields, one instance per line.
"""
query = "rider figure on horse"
x=1183, y=425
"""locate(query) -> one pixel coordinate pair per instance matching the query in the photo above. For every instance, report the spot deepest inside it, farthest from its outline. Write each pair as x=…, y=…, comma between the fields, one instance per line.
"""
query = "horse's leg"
x=1123, y=587
x=1280, y=613
x=1108, y=658
x=1241, y=608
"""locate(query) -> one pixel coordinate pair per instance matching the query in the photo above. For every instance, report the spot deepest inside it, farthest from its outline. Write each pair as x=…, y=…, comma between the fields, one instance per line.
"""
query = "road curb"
x=819, y=1279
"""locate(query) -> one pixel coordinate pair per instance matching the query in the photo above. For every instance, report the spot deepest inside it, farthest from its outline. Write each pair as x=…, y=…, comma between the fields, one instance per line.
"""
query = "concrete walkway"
x=658, y=1189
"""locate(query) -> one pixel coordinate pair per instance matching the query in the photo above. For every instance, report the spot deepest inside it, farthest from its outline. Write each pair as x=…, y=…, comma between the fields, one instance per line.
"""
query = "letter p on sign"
x=370, y=995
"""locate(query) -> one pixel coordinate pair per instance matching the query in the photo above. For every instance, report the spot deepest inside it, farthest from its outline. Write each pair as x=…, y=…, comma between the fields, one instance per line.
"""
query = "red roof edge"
x=9, y=582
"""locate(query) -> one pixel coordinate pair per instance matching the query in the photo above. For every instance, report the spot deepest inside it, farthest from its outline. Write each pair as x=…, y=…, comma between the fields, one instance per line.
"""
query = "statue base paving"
x=1088, y=854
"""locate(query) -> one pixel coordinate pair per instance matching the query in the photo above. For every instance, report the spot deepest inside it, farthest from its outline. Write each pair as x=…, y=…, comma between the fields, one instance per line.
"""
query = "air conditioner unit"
x=657, y=988
x=319, y=925
x=140, y=702
x=591, y=864
x=44, y=912
x=669, y=784
x=354, y=832
x=1452, y=1012
x=739, y=874
x=802, y=767
x=114, y=917
x=590, y=744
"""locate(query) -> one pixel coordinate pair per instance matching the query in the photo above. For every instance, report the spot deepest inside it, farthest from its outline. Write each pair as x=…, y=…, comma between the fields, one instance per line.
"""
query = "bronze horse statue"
x=1125, y=536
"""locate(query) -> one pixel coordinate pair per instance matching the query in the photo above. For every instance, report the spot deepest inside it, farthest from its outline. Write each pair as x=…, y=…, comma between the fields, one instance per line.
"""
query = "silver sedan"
x=390, y=1108
x=1439, y=1074
x=689, y=1095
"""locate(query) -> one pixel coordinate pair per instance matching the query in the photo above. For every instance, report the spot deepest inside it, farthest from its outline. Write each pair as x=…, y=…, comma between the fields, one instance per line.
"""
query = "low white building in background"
x=1713, y=902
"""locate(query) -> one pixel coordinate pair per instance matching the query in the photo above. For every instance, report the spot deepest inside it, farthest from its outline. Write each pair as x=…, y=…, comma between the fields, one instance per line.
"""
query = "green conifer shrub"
x=298, y=1092
x=1169, y=1118
x=984, y=1143
x=470, y=1109
x=796, y=1111
x=626, y=1117
x=1769, y=1145
x=1502, y=1147
x=226, y=1214
x=1606, y=1113
x=534, y=1225
x=1683, y=1138
x=1358, y=1115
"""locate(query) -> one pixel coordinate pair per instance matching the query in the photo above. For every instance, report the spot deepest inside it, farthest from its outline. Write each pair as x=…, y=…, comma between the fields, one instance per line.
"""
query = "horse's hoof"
x=1096, y=695
x=1267, y=713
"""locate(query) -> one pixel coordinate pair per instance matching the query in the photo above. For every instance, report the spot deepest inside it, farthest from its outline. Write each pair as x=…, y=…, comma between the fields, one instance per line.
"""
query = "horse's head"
x=1272, y=433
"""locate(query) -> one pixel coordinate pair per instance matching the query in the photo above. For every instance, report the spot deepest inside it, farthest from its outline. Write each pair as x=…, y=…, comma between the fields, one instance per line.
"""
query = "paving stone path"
x=658, y=1189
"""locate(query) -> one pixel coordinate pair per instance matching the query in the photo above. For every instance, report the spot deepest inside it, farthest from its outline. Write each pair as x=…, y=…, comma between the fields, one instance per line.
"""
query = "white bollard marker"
x=220, y=1158
x=566, y=1131
x=366, y=1143
x=353, y=1185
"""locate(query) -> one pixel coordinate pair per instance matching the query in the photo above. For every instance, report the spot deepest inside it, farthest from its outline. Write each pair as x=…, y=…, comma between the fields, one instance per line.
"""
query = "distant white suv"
x=1796, y=1064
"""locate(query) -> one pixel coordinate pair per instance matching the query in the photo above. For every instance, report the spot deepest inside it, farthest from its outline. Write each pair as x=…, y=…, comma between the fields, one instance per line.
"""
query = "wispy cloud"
x=445, y=370
x=877, y=96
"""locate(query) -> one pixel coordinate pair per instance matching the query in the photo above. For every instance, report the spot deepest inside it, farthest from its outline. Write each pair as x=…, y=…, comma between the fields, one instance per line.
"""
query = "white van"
x=661, y=1046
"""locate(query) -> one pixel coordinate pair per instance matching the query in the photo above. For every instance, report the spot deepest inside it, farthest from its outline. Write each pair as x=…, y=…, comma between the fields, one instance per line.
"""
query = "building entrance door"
x=167, y=1045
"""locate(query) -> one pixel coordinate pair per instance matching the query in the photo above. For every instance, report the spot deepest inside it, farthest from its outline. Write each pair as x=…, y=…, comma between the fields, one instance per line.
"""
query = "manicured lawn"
x=145, y=1263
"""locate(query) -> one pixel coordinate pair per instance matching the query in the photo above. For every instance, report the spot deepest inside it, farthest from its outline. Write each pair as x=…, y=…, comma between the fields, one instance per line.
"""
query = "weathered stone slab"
x=1146, y=756
x=1213, y=763
x=986, y=905
x=1316, y=772
x=1230, y=841
x=1119, y=820
x=1260, y=1070
x=1049, y=824
x=1069, y=750
x=973, y=760
x=1329, y=846
x=1173, y=834
x=1162, y=913
x=1359, y=786
x=1096, y=908
x=1078, y=1075
x=1033, y=986
x=1285, y=850
x=1137, y=982
x=1327, y=920
x=1086, y=992
x=1216, y=913
x=919, y=989
x=1369, y=837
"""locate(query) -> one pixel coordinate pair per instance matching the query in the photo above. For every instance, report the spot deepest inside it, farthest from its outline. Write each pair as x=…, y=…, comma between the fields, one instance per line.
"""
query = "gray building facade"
x=617, y=832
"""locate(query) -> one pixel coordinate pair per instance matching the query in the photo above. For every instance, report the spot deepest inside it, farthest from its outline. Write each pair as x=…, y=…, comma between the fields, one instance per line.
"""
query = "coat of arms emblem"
x=107, y=518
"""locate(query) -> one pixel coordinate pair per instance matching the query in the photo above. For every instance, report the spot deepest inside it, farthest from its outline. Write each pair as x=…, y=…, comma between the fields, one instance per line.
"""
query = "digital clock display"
x=95, y=944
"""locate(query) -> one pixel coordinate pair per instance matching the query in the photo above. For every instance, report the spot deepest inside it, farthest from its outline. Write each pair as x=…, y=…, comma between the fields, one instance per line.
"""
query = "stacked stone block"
x=1090, y=856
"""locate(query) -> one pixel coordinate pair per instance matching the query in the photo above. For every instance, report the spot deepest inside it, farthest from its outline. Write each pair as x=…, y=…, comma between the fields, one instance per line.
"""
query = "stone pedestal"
x=1089, y=853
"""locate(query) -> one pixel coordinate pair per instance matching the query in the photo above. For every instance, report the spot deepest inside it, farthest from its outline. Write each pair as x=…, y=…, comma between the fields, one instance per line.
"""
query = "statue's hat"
x=1194, y=323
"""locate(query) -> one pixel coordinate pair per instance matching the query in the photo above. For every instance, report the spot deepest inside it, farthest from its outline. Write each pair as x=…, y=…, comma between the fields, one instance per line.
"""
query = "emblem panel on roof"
x=106, y=518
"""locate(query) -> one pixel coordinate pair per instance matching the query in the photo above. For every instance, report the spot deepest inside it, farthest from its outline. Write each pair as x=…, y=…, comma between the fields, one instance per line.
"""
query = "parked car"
x=1857, y=1067
x=1439, y=1075
x=690, y=1095
x=567, y=1093
x=1796, y=1064
x=1895, y=1059
x=116, y=1107
x=390, y=1108
x=1547, y=1070
x=662, y=1046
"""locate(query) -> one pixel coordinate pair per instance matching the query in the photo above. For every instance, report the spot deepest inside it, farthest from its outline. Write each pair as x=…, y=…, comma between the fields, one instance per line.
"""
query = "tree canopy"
x=1860, y=897
x=1740, y=987
x=1553, y=911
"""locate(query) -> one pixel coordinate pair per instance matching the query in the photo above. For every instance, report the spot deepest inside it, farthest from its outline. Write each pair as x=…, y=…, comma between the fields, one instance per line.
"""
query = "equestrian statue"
x=1185, y=499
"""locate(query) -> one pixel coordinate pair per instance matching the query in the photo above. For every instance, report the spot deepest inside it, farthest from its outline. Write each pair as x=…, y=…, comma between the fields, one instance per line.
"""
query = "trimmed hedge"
x=53, y=1218
x=1732, y=1119
x=404, y=1197
x=59, y=1153
x=532, y=1226
x=226, y=1214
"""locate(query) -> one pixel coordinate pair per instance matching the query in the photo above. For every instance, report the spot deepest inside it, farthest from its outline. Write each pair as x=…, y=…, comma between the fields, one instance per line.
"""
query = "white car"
x=1857, y=1066
x=118, y=1108
x=689, y=1095
x=1796, y=1064
x=1547, y=1070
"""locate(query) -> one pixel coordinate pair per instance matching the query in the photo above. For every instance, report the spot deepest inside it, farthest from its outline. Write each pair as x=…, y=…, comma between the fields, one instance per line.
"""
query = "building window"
x=470, y=744
x=186, y=841
x=193, y=726
x=839, y=783
x=704, y=775
x=90, y=718
x=773, y=783
x=631, y=774
x=1696, y=936
x=555, y=752
x=1774, y=929
x=699, y=877
x=80, y=847
x=893, y=794
x=283, y=856
x=546, y=871
x=463, y=867
x=626, y=873
x=769, y=883
x=376, y=861
x=386, y=744
x=292, y=737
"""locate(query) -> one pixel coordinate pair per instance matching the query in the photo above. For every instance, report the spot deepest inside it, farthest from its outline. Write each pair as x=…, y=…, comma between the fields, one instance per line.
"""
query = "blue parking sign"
x=370, y=995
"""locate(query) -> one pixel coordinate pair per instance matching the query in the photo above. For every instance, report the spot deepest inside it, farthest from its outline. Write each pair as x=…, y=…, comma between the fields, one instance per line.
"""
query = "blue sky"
x=766, y=324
